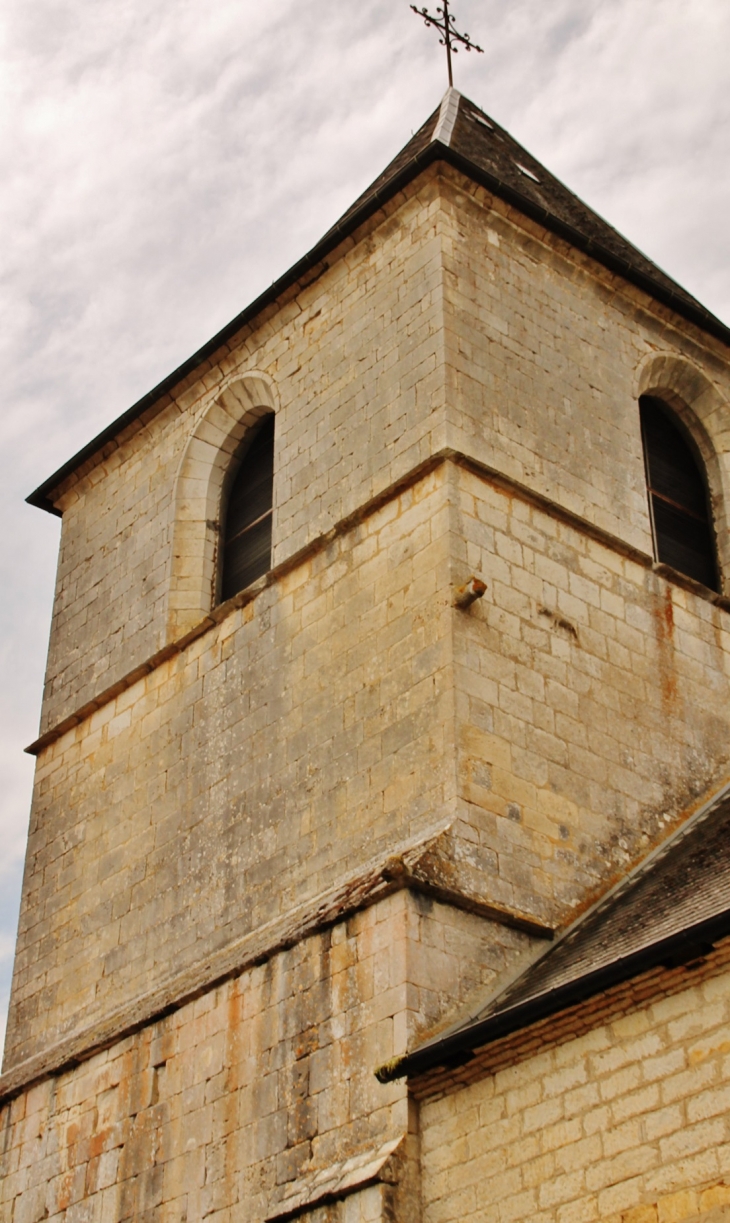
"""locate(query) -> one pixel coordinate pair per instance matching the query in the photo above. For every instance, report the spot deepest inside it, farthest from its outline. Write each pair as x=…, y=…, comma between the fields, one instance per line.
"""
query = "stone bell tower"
x=276, y=840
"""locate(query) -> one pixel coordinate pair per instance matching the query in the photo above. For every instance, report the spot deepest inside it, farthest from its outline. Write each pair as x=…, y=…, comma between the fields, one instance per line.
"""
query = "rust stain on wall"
x=664, y=622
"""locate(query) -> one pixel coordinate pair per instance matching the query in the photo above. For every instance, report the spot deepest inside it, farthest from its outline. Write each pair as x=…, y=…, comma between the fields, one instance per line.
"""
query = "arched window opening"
x=678, y=499
x=246, y=551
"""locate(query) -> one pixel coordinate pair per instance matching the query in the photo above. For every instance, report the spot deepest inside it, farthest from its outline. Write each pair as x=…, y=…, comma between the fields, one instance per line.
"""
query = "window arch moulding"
x=705, y=415
x=209, y=458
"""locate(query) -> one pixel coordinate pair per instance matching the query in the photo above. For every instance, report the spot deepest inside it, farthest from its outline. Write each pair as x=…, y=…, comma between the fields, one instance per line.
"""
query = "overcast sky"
x=165, y=160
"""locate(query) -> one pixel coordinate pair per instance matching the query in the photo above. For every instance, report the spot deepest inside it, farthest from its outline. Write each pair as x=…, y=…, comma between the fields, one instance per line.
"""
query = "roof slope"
x=484, y=146
x=670, y=909
x=497, y=153
x=462, y=135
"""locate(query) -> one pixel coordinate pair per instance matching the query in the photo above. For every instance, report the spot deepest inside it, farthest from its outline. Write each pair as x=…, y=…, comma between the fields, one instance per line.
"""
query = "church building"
x=379, y=858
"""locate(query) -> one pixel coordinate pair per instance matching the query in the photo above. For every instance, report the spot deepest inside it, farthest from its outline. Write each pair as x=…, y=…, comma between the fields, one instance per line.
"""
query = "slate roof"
x=464, y=136
x=478, y=143
x=669, y=910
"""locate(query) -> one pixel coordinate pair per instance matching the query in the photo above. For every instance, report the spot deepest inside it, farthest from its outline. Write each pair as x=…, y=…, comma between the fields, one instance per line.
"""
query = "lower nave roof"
x=669, y=910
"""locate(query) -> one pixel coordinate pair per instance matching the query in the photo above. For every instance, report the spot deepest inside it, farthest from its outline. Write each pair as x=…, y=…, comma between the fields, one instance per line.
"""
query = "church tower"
x=391, y=633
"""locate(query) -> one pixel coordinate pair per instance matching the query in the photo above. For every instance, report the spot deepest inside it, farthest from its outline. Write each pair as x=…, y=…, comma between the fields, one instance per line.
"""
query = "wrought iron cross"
x=450, y=34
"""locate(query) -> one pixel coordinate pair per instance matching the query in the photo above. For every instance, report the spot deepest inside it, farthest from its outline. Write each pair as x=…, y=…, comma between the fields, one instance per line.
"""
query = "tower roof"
x=462, y=135
x=484, y=151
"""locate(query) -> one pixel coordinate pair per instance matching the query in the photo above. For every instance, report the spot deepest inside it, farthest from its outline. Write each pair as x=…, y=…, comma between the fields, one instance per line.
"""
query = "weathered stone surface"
x=257, y=1089
x=293, y=742
x=423, y=867
x=351, y=706
x=466, y=326
x=272, y=844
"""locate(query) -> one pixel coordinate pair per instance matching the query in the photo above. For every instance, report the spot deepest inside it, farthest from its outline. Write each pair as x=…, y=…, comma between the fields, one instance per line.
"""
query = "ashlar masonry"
x=281, y=843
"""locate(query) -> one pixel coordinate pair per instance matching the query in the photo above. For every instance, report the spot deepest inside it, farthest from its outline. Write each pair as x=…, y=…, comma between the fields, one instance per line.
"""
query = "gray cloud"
x=164, y=162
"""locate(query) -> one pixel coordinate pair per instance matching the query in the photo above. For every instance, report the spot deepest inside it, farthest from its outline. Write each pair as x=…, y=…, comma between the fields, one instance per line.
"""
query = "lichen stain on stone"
x=559, y=622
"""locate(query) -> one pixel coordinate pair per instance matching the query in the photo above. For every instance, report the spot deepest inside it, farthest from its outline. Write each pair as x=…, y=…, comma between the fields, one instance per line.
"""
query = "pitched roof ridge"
x=448, y=114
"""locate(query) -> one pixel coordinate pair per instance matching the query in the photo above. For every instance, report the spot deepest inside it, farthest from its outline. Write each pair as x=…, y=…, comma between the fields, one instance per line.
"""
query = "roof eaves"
x=460, y=1046
x=41, y=497
x=438, y=149
x=460, y=1035
x=614, y=263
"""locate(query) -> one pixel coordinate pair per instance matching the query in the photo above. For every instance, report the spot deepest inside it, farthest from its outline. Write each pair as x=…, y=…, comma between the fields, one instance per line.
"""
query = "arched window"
x=246, y=542
x=679, y=504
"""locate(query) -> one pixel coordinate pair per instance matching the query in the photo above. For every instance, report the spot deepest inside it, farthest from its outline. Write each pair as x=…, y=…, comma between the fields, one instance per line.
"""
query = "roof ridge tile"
x=448, y=115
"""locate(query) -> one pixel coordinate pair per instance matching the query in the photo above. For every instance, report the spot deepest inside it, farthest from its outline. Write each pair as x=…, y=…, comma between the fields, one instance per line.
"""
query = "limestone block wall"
x=318, y=726
x=259, y=1095
x=547, y=354
x=451, y=321
x=592, y=699
x=356, y=370
x=308, y=731
x=622, y=1121
x=113, y=568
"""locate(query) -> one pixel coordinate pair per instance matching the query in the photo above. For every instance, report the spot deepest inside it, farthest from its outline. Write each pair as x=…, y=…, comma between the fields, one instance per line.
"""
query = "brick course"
x=617, y=1111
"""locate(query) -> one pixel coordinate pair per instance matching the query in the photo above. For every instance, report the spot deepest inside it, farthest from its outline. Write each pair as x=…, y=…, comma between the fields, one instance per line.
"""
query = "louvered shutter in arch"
x=246, y=551
x=678, y=498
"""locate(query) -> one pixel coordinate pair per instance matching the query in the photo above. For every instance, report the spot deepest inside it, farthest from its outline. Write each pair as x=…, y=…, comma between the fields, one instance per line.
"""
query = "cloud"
x=164, y=162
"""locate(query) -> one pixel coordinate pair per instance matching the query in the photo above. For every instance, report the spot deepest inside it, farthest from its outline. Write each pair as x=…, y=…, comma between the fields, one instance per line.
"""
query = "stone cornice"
x=425, y=866
x=417, y=473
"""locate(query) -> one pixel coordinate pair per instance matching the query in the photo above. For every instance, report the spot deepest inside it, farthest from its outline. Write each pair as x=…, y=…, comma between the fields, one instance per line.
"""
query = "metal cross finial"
x=449, y=31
